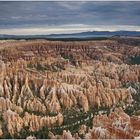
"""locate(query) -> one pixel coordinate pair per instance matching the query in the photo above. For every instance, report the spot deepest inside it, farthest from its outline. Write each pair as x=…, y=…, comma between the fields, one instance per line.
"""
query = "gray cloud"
x=39, y=14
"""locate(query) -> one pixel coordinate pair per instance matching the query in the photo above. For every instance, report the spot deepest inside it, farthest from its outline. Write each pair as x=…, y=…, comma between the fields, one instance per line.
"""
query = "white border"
x=76, y=0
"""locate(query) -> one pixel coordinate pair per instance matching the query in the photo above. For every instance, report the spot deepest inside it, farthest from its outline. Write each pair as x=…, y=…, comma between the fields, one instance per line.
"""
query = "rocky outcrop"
x=14, y=122
x=1, y=132
x=30, y=138
x=117, y=125
x=36, y=123
x=97, y=133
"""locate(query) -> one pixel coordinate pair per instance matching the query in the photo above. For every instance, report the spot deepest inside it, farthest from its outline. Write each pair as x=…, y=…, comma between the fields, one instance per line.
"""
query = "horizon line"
x=67, y=33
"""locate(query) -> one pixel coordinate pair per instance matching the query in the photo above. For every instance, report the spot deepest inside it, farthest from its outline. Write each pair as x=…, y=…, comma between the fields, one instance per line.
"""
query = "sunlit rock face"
x=54, y=87
x=97, y=133
x=30, y=138
x=116, y=125
x=13, y=122
x=52, y=96
x=35, y=123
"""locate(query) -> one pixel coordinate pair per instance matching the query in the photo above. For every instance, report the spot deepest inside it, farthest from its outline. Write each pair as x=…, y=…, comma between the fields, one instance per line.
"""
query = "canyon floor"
x=70, y=89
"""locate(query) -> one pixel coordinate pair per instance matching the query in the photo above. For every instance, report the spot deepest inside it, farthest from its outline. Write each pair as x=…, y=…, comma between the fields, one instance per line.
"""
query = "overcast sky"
x=68, y=17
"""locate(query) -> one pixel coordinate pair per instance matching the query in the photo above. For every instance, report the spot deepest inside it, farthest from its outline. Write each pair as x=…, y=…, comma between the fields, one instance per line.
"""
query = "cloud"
x=28, y=15
x=71, y=5
x=45, y=30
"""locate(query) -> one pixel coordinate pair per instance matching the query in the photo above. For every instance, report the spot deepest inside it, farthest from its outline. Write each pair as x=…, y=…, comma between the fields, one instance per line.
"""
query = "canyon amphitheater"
x=70, y=90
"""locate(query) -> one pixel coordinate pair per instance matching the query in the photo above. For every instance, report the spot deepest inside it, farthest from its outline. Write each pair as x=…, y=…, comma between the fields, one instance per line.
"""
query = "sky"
x=55, y=17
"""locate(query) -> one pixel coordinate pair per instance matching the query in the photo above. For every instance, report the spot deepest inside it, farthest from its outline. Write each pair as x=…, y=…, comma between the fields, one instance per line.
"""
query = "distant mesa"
x=89, y=34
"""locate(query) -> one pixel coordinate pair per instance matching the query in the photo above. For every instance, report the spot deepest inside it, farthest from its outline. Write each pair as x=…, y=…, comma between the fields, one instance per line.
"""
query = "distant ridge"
x=89, y=34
